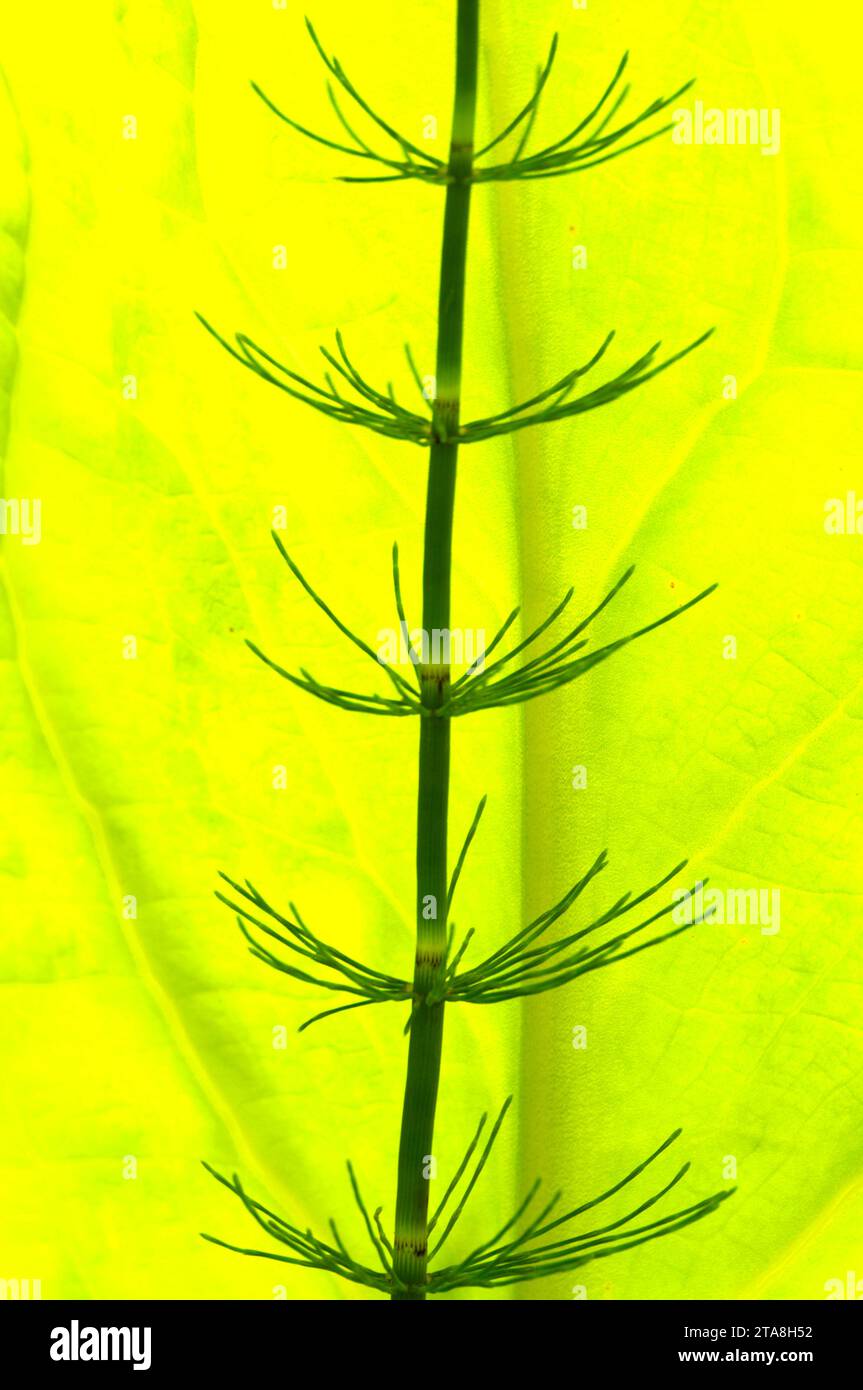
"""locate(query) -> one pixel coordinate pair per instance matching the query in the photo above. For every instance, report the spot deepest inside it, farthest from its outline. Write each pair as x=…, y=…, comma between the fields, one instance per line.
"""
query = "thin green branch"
x=307, y=1251
x=496, y=1263
x=522, y=416
x=483, y=1159
x=415, y=163
x=415, y=373
x=338, y=72
x=406, y=701
x=521, y=967
x=458, y=1175
x=528, y=111
x=387, y=418
x=459, y=864
x=402, y=616
x=358, y=1198
x=353, y=977
x=493, y=687
x=589, y=142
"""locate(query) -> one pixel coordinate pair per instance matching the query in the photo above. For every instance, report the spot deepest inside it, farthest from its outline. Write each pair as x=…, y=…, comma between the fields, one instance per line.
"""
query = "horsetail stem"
x=527, y=963
x=426, y=1031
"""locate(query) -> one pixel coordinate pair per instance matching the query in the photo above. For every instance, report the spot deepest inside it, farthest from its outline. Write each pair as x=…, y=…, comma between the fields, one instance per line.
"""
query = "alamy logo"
x=440, y=647
x=736, y=126
x=843, y=516
x=20, y=1289
x=21, y=516
x=745, y=907
x=850, y=1287
x=76, y=1343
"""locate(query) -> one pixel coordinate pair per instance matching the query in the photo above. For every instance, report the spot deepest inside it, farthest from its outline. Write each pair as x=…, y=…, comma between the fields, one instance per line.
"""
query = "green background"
x=153, y=1038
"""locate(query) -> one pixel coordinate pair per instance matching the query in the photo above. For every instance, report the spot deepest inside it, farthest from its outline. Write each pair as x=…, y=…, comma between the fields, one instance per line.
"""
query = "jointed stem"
x=426, y=1032
x=530, y=961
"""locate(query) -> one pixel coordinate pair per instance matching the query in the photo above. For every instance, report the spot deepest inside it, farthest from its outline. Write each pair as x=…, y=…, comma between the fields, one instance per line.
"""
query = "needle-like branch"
x=530, y=107
x=555, y=400
x=527, y=1256
x=257, y=918
x=307, y=1250
x=521, y=967
x=385, y=416
x=588, y=143
x=459, y=864
x=564, y=661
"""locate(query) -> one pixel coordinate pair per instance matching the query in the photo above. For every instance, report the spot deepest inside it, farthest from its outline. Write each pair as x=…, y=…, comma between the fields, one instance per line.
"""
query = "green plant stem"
x=426, y=1031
